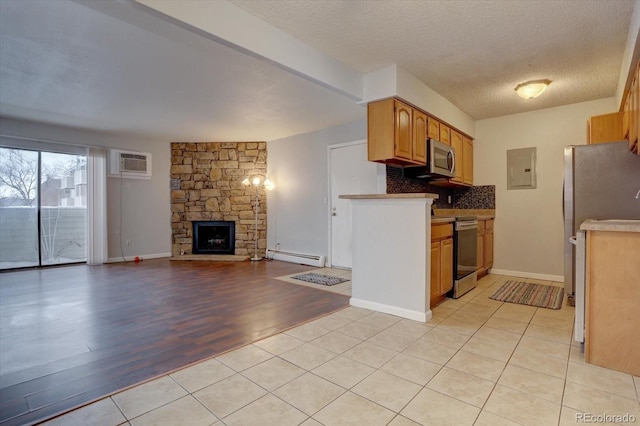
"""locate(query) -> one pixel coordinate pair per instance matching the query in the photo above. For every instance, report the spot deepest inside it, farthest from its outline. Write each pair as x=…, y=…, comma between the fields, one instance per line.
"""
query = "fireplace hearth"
x=217, y=237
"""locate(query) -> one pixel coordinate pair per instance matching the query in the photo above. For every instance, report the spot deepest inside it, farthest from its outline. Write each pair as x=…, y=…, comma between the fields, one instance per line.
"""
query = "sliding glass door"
x=18, y=208
x=43, y=208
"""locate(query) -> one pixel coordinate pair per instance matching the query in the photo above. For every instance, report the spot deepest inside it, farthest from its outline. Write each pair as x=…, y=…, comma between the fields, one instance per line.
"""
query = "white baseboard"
x=141, y=256
x=545, y=277
x=392, y=310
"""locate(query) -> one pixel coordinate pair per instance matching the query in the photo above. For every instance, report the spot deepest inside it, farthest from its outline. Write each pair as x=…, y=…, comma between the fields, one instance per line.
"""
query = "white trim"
x=141, y=256
x=545, y=277
x=392, y=310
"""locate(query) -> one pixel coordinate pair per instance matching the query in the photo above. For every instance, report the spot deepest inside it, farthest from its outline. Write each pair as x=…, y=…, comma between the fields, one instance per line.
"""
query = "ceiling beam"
x=226, y=23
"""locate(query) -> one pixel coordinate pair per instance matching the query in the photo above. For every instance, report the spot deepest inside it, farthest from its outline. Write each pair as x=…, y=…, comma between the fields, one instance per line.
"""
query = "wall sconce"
x=532, y=89
x=256, y=182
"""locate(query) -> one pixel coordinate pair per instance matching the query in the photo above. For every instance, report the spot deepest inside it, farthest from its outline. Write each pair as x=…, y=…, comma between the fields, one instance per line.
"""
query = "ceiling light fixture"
x=532, y=89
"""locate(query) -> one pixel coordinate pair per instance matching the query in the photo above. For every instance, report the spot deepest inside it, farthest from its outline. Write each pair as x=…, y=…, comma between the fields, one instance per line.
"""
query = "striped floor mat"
x=523, y=293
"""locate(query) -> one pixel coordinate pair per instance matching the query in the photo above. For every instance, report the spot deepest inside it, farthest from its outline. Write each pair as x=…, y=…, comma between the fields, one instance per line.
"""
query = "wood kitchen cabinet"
x=605, y=128
x=634, y=117
x=467, y=160
x=433, y=128
x=464, y=158
x=457, y=143
x=611, y=300
x=480, y=249
x=441, y=261
x=485, y=246
x=419, y=143
x=488, y=245
x=445, y=134
x=396, y=133
x=631, y=114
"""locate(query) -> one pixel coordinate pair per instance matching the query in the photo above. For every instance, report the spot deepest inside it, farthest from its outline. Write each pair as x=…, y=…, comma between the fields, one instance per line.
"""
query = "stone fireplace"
x=206, y=185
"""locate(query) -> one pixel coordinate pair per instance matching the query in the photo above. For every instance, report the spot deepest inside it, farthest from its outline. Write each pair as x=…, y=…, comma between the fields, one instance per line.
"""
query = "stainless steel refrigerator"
x=601, y=181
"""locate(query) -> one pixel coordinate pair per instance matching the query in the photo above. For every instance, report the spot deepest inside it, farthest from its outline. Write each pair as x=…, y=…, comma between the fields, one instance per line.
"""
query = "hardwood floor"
x=70, y=335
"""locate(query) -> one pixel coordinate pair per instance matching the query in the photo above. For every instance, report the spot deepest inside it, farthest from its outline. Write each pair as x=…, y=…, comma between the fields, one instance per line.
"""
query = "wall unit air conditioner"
x=129, y=164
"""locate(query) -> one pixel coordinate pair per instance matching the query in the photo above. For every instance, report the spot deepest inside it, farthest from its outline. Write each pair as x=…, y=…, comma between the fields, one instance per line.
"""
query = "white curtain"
x=97, y=206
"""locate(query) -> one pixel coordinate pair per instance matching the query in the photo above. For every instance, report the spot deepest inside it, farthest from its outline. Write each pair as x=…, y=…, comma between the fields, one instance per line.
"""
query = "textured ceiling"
x=473, y=53
x=111, y=66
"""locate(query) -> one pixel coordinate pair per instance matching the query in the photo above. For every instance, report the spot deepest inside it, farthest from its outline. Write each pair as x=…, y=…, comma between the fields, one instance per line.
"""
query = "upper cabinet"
x=464, y=158
x=456, y=144
x=445, y=134
x=605, y=128
x=419, y=143
x=633, y=131
x=631, y=114
x=467, y=160
x=396, y=133
x=619, y=125
x=433, y=128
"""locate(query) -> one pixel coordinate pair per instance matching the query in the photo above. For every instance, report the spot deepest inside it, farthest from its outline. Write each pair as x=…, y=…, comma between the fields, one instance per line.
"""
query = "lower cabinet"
x=485, y=246
x=488, y=245
x=441, y=261
x=612, y=300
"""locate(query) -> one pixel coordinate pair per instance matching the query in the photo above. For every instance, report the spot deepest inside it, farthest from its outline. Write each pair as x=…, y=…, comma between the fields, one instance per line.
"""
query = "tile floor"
x=477, y=362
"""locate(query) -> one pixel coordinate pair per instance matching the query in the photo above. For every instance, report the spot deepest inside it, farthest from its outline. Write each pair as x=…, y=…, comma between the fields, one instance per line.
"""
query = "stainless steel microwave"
x=441, y=162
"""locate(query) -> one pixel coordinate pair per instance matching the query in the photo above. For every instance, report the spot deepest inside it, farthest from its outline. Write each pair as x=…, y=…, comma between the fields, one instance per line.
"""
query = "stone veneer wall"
x=206, y=184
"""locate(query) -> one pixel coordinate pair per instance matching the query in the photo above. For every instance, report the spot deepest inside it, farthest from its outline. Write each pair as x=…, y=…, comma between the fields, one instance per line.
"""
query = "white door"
x=350, y=173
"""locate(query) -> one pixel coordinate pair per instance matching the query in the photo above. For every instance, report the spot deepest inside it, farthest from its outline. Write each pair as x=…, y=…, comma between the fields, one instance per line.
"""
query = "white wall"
x=418, y=93
x=529, y=224
x=393, y=80
x=298, y=206
x=145, y=207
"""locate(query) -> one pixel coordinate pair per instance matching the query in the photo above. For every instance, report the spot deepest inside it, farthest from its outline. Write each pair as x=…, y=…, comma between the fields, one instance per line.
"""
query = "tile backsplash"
x=475, y=197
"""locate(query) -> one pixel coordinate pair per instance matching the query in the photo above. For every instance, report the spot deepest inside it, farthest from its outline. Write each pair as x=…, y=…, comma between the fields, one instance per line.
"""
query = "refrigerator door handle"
x=580, y=274
x=569, y=225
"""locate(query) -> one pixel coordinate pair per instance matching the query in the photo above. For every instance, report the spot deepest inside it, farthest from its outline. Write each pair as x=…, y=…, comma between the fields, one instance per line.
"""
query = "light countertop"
x=388, y=196
x=481, y=214
x=614, y=225
x=442, y=219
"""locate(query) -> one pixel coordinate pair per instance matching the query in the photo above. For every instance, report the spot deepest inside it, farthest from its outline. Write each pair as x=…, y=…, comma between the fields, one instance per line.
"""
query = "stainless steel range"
x=465, y=259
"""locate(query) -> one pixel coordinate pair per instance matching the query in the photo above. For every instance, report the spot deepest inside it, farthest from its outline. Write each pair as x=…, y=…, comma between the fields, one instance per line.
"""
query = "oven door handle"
x=466, y=225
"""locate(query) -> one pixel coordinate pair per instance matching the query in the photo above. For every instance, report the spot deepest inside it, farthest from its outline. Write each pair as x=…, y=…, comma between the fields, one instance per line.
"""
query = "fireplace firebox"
x=218, y=237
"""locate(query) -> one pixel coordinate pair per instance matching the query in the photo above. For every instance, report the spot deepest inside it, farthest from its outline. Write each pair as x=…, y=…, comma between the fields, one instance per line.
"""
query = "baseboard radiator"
x=302, y=259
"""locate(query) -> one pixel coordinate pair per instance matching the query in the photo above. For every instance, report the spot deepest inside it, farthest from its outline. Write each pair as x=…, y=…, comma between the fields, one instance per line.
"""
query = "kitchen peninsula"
x=612, y=297
x=391, y=237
